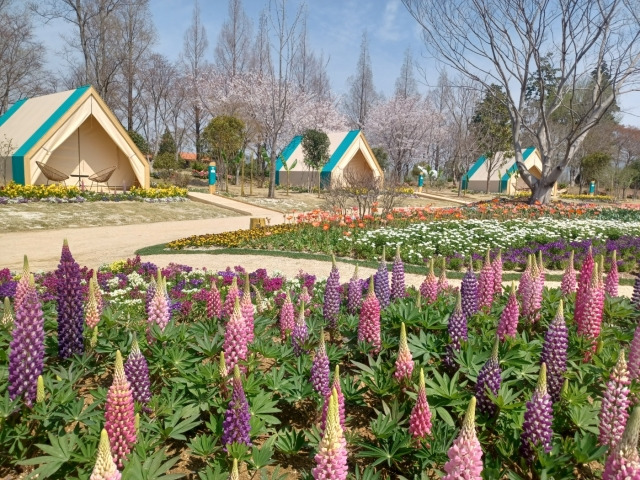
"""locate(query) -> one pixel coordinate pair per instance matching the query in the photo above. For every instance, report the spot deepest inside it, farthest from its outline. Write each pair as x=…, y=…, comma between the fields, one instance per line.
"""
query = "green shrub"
x=166, y=161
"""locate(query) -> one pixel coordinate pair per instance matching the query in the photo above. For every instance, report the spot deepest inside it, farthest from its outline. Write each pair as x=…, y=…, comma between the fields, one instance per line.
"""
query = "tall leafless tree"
x=233, y=50
x=362, y=93
x=592, y=47
x=406, y=84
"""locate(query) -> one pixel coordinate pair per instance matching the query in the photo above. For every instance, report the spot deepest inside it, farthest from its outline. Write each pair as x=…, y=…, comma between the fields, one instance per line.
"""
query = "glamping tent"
x=73, y=132
x=349, y=152
x=505, y=177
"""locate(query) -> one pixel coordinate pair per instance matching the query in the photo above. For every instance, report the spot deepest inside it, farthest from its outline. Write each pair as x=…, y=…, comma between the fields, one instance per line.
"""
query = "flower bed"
x=401, y=399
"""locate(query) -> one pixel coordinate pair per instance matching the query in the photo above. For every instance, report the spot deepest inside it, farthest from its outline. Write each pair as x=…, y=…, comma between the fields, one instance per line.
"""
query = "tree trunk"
x=488, y=180
x=272, y=173
x=541, y=193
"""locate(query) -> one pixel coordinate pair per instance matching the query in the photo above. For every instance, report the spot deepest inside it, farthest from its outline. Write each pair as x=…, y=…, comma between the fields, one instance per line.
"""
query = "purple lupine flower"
x=611, y=282
x=404, y=360
x=457, y=329
x=26, y=357
x=486, y=285
x=443, y=283
x=508, y=324
x=137, y=372
x=465, y=455
x=119, y=414
x=623, y=462
x=69, y=306
x=469, y=292
x=354, y=296
x=554, y=353
x=236, y=427
x=23, y=283
x=300, y=333
x=397, y=277
x=420, y=419
x=489, y=379
x=369, y=324
x=246, y=307
x=287, y=318
x=335, y=385
x=331, y=459
x=634, y=355
x=320, y=371
x=497, y=274
x=331, y=305
x=7, y=316
x=615, y=404
x=592, y=311
x=635, y=295
x=584, y=281
x=230, y=299
x=429, y=286
x=235, y=344
x=105, y=468
x=381, y=282
x=214, y=302
x=526, y=289
x=568, y=284
x=536, y=430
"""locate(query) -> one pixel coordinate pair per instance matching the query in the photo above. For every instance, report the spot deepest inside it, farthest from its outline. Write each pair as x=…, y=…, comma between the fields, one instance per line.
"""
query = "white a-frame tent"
x=75, y=133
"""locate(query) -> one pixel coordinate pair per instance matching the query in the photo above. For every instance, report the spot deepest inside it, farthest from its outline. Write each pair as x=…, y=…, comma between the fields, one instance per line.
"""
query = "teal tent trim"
x=14, y=108
x=505, y=178
x=325, y=174
x=474, y=168
x=286, y=153
x=18, y=156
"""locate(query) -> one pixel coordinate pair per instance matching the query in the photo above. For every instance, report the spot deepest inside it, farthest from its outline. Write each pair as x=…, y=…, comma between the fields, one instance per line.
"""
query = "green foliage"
x=492, y=123
x=315, y=145
x=225, y=135
x=167, y=143
x=166, y=161
x=140, y=142
x=593, y=164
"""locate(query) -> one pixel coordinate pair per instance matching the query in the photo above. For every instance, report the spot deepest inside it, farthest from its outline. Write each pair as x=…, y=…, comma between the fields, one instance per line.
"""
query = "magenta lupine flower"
x=443, y=283
x=469, y=292
x=137, y=373
x=236, y=427
x=23, y=283
x=214, y=302
x=634, y=355
x=508, y=324
x=320, y=370
x=615, y=404
x=335, y=385
x=397, y=277
x=489, y=379
x=331, y=459
x=486, y=285
x=369, y=324
x=7, y=316
x=526, y=288
x=287, y=317
x=554, y=353
x=457, y=328
x=92, y=315
x=465, y=454
x=235, y=337
x=592, y=311
x=497, y=274
x=119, y=414
x=105, y=468
x=420, y=419
x=568, y=284
x=230, y=299
x=429, y=286
x=611, y=282
x=584, y=281
x=331, y=305
x=159, y=312
x=536, y=430
x=541, y=270
x=404, y=360
x=381, y=281
x=623, y=462
x=26, y=350
x=354, y=296
x=246, y=307
x=69, y=305
x=300, y=333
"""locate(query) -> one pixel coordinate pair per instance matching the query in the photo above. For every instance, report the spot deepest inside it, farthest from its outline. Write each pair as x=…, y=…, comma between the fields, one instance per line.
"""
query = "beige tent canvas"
x=349, y=152
x=73, y=132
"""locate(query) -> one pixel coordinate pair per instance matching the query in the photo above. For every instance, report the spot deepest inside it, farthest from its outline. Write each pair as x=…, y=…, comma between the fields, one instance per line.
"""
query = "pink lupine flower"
x=119, y=414
x=465, y=455
x=23, y=283
x=486, y=283
x=404, y=361
x=429, y=286
x=623, y=462
x=592, y=311
x=508, y=324
x=105, y=468
x=526, y=289
x=615, y=404
x=584, y=280
x=536, y=295
x=235, y=338
x=568, y=284
x=159, y=312
x=497, y=274
x=230, y=299
x=331, y=459
x=369, y=324
x=420, y=419
x=214, y=302
x=246, y=307
x=611, y=282
x=287, y=318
